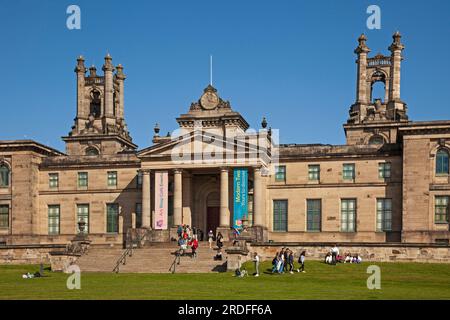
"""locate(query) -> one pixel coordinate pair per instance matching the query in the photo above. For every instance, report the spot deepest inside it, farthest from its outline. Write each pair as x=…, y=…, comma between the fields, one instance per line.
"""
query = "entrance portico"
x=201, y=197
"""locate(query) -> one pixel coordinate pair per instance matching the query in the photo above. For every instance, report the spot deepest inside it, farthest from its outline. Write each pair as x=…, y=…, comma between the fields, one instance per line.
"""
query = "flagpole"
x=211, y=70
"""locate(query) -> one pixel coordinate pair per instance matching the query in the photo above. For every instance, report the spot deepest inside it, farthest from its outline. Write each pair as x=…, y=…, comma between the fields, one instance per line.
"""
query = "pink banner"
x=161, y=200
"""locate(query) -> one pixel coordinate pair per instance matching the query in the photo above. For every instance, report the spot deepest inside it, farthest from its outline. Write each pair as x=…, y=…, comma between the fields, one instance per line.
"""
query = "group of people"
x=284, y=261
x=187, y=238
x=333, y=257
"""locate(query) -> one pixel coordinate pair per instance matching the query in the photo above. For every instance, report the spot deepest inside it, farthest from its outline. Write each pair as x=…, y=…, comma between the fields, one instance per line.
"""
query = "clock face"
x=209, y=100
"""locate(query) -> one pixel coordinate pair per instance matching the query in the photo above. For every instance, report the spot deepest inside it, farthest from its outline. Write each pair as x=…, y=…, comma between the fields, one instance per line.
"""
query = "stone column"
x=396, y=49
x=80, y=69
x=178, y=198
x=120, y=79
x=187, y=196
x=109, y=87
x=257, y=198
x=224, y=200
x=146, y=200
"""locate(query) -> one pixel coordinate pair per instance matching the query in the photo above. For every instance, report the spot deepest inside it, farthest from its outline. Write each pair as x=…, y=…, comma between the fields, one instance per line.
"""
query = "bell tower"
x=100, y=126
x=380, y=68
x=369, y=111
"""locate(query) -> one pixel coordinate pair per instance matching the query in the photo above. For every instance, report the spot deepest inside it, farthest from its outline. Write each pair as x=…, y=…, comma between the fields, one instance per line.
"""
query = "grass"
x=345, y=281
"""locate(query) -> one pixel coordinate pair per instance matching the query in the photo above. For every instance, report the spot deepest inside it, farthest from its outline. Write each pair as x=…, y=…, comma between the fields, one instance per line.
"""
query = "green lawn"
x=345, y=281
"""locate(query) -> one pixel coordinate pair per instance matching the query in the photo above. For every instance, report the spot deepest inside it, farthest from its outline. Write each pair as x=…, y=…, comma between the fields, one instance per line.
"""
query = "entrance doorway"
x=212, y=219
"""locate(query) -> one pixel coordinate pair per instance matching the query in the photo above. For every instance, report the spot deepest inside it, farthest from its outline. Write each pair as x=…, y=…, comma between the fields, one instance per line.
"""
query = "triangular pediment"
x=204, y=147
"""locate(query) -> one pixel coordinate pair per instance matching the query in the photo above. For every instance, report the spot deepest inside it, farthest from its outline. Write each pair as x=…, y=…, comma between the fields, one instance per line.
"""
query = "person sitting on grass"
x=356, y=259
x=328, y=258
x=348, y=258
x=240, y=273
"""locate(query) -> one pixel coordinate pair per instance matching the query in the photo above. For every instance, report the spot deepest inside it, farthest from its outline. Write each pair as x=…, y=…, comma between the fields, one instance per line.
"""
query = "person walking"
x=286, y=259
x=275, y=262
x=301, y=260
x=291, y=262
x=210, y=238
x=256, y=261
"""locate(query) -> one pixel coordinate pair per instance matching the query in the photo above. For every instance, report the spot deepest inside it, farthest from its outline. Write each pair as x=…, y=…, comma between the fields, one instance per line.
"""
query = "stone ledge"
x=350, y=244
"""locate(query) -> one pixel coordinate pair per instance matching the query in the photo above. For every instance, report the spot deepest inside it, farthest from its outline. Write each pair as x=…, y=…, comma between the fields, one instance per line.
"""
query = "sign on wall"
x=161, y=200
x=240, y=197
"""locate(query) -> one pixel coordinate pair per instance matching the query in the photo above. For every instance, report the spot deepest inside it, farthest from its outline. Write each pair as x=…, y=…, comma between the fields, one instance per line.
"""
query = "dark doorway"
x=212, y=219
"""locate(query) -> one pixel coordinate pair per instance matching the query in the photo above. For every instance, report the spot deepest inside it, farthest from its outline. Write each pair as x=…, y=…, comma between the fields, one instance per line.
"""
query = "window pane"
x=4, y=176
x=384, y=214
x=82, y=179
x=442, y=159
x=53, y=219
x=83, y=215
x=348, y=215
x=314, y=172
x=280, y=173
x=441, y=209
x=112, y=217
x=112, y=178
x=314, y=213
x=280, y=215
x=53, y=180
x=4, y=216
x=349, y=171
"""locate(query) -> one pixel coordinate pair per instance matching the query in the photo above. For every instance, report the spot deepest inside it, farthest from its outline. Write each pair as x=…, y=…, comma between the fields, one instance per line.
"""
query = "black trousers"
x=302, y=267
x=333, y=258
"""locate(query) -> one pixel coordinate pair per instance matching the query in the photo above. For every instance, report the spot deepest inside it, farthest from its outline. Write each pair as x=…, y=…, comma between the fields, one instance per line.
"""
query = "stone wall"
x=27, y=254
x=372, y=252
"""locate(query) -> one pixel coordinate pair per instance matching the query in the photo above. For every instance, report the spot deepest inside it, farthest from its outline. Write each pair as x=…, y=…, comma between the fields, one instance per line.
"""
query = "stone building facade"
x=388, y=183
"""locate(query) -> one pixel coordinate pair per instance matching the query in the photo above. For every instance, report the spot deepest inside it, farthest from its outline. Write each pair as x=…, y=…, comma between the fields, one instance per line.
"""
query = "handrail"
x=174, y=263
x=128, y=251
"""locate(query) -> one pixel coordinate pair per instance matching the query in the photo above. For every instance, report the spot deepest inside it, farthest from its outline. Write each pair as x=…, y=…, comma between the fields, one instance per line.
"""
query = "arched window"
x=442, y=162
x=4, y=175
x=91, y=151
x=378, y=86
x=95, y=107
x=376, y=140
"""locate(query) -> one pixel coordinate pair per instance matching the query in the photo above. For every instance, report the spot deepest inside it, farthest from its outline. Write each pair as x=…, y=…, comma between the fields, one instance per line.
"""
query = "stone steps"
x=152, y=258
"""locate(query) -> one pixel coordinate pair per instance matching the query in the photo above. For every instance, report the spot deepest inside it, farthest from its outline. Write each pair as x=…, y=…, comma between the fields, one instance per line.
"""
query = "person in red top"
x=194, y=246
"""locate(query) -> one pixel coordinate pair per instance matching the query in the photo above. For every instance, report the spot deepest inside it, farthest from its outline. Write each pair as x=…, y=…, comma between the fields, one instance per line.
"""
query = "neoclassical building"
x=388, y=183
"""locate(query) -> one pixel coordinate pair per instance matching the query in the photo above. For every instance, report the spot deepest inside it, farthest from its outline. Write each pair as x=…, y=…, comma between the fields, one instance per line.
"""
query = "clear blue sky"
x=291, y=61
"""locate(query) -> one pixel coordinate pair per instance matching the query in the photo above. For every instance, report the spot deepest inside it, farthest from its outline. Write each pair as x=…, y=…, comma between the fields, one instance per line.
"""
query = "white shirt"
x=256, y=259
x=335, y=250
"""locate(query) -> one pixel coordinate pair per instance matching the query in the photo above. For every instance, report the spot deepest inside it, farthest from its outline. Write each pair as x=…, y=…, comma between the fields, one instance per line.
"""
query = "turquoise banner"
x=240, y=197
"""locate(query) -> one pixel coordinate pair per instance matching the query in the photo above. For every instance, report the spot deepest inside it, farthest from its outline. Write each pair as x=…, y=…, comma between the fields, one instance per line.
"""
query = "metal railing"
x=176, y=261
x=129, y=245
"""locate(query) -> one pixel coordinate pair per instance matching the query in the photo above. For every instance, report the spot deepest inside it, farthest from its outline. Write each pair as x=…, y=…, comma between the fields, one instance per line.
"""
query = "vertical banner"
x=161, y=200
x=240, y=197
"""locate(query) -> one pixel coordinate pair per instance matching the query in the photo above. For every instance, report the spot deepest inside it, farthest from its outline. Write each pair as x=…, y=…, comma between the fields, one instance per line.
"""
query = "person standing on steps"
x=210, y=238
x=194, y=246
x=219, y=240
